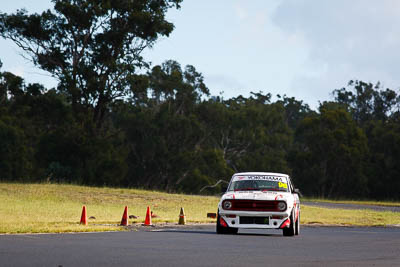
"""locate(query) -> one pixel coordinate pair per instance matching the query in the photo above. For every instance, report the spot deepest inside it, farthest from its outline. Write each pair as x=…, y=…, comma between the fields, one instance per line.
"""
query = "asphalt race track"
x=200, y=246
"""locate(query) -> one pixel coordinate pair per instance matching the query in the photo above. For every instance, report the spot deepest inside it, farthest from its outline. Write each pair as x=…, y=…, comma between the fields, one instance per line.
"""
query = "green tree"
x=93, y=47
x=163, y=132
x=252, y=133
x=295, y=110
x=15, y=164
x=3, y=89
x=384, y=161
x=376, y=110
x=331, y=154
x=367, y=102
x=15, y=149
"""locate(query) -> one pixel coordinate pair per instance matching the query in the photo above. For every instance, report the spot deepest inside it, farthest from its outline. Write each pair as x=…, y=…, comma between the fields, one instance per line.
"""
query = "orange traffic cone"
x=124, y=220
x=148, y=217
x=84, y=216
x=182, y=218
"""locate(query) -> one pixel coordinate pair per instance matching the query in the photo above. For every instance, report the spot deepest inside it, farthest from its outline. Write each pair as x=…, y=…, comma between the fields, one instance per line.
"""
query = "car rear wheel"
x=291, y=230
x=224, y=230
x=297, y=230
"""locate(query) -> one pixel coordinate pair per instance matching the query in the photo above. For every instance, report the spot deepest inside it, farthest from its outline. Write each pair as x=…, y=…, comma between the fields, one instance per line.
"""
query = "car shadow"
x=259, y=234
x=213, y=233
x=185, y=231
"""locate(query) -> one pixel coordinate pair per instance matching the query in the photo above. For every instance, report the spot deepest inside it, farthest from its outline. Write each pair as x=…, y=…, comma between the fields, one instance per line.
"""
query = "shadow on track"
x=214, y=233
x=259, y=234
x=185, y=232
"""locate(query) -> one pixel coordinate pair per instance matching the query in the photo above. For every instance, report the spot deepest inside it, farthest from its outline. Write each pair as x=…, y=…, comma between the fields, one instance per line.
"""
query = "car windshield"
x=261, y=185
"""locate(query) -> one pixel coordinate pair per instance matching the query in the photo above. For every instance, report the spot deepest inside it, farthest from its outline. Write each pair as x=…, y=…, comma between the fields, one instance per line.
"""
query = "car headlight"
x=227, y=205
x=281, y=206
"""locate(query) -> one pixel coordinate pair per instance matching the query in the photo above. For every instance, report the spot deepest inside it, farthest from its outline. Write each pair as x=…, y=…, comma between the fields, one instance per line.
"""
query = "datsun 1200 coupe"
x=261, y=200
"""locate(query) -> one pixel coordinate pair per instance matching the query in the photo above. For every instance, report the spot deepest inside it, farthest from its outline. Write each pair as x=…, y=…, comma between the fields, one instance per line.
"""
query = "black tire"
x=297, y=226
x=291, y=230
x=220, y=230
x=225, y=230
x=233, y=231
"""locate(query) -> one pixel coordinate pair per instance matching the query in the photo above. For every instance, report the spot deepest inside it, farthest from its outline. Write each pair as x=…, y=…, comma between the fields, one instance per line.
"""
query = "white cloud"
x=346, y=40
x=240, y=11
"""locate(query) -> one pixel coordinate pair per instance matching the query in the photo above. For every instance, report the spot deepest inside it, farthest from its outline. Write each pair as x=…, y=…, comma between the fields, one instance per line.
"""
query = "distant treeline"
x=108, y=124
x=174, y=137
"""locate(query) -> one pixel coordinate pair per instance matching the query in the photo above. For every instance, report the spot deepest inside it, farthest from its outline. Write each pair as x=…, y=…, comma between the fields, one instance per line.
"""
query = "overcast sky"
x=301, y=48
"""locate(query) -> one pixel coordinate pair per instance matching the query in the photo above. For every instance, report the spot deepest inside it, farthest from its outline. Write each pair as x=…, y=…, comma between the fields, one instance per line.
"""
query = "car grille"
x=253, y=220
x=254, y=205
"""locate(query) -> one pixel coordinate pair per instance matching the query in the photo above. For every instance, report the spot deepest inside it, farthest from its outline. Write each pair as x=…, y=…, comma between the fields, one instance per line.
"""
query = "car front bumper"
x=255, y=220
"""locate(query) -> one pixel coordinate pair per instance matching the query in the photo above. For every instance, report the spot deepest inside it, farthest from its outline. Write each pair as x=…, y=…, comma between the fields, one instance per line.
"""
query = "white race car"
x=259, y=200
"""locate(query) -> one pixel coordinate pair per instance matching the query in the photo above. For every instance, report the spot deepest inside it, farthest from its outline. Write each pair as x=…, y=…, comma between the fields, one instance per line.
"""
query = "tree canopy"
x=93, y=47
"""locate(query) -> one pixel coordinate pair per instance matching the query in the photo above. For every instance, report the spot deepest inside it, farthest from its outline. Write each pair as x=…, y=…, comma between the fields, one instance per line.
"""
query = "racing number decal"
x=283, y=185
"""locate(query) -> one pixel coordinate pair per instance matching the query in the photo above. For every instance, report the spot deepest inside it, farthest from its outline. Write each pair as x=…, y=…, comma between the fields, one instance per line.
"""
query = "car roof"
x=261, y=173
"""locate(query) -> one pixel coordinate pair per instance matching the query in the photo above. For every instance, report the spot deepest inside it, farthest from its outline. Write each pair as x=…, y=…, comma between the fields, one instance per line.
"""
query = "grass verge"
x=346, y=217
x=45, y=208
x=356, y=202
x=52, y=208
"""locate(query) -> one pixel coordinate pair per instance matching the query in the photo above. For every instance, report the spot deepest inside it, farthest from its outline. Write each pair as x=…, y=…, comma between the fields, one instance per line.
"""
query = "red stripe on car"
x=286, y=223
x=222, y=222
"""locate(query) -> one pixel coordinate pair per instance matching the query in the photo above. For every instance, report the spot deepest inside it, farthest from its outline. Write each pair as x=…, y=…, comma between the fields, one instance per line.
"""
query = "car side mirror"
x=223, y=189
x=297, y=191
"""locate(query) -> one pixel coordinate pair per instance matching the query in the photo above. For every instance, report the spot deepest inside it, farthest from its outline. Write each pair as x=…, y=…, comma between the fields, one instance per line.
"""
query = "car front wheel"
x=291, y=230
x=224, y=229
